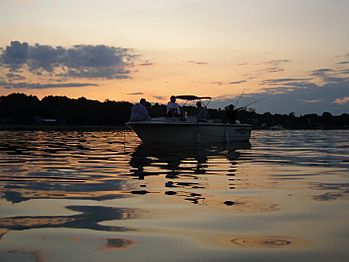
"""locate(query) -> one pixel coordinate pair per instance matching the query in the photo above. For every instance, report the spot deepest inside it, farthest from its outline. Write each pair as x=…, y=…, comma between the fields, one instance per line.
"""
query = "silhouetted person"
x=200, y=112
x=139, y=111
x=173, y=109
x=231, y=114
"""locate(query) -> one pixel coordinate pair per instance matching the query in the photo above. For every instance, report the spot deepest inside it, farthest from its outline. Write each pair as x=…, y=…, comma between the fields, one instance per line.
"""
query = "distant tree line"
x=22, y=109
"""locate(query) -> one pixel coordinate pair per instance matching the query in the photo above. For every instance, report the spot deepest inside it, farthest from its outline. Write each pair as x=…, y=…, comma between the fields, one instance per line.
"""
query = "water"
x=102, y=196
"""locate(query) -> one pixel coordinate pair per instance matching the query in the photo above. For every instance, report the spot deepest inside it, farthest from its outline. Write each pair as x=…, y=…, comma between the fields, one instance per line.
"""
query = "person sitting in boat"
x=200, y=112
x=139, y=111
x=173, y=109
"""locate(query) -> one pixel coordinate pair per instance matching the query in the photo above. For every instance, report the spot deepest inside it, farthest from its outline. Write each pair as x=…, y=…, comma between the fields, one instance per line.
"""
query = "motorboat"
x=189, y=129
x=277, y=127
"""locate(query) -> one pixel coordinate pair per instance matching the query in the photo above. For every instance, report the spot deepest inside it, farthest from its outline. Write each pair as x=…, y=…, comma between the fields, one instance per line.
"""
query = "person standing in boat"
x=139, y=111
x=173, y=109
x=231, y=114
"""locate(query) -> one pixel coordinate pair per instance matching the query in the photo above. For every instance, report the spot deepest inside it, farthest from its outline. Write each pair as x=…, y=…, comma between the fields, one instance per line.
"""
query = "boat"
x=277, y=127
x=189, y=129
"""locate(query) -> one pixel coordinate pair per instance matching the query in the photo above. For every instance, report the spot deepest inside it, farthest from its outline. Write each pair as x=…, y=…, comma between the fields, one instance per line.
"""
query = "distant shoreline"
x=19, y=127
x=23, y=127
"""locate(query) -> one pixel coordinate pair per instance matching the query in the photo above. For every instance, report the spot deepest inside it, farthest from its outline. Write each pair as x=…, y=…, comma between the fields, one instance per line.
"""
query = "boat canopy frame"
x=193, y=97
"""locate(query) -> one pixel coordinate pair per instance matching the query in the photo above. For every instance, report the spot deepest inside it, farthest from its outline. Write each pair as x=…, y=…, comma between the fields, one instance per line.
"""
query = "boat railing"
x=186, y=119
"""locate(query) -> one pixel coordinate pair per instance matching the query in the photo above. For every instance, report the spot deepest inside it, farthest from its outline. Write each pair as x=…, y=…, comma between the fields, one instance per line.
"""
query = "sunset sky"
x=291, y=54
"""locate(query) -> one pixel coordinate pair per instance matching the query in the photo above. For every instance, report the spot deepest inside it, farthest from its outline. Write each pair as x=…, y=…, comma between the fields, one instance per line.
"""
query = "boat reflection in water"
x=184, y=167
x=170, y=158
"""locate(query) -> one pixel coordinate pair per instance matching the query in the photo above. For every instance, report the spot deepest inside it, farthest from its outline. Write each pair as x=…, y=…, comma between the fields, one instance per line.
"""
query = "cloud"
x=236, y=82
x=197, y=62
x=273, y=69
x=14, y=76
x=220, y=83
x=146, y=63
x=321, y=72
x=342, y=100
x=15, y=55
x=313, y=101
x=344, y=59
x=102, y=72
x=326, y=75
x=343, y=63
x=160, y=97
x=276, y=62
x=135, y=94
x=79, y=61
x=274, y=66
x=24, y=85
x=283, y=81
x=217, y=83
x=299, y=95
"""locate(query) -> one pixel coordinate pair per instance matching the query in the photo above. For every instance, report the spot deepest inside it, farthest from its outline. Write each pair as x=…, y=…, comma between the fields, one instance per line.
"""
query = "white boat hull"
x=190, y=132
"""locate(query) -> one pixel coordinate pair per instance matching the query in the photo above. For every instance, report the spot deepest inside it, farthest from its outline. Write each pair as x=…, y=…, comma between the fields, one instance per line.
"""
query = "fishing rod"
x=237, y=101
x=258, y=100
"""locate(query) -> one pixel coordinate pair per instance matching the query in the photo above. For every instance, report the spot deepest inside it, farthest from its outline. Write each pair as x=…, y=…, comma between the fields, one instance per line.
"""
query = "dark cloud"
x=102, y=72
x=79, y=61
x=24, y=85
x=15, y=55
x=236, y=82
x=283, y=81
x=300, y=97
x=321, y=72
x=326, y=75
x=14, y=76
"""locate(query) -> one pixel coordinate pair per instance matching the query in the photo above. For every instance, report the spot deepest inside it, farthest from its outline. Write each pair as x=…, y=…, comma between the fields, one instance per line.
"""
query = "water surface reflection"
x=103, y=196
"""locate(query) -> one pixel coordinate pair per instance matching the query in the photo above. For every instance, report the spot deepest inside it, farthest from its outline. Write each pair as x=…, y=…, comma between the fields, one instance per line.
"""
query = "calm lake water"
x=102, y=196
